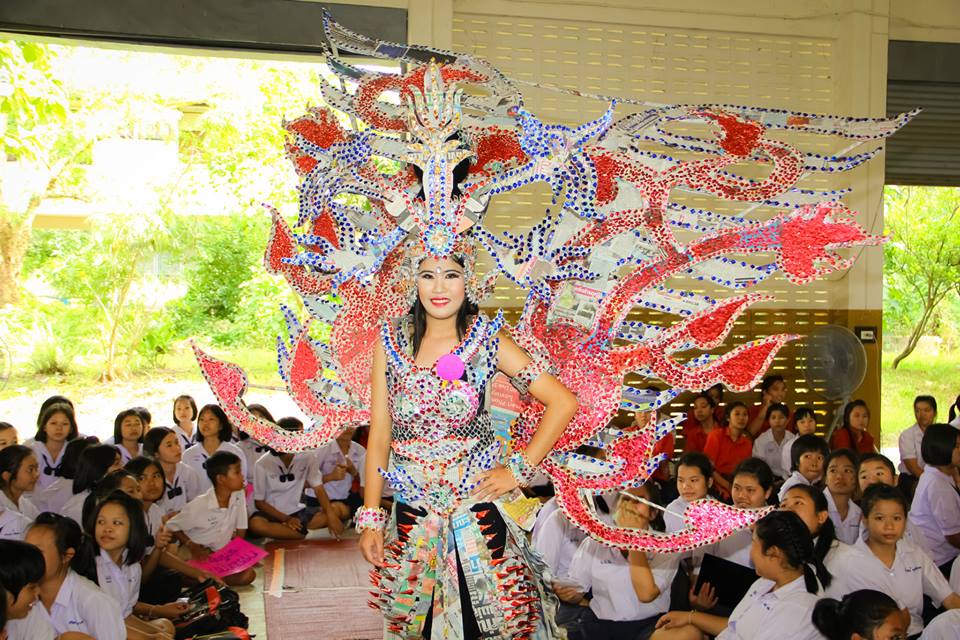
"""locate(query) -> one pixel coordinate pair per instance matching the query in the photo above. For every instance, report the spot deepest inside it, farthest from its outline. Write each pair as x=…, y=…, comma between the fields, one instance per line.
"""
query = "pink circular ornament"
x=450, y=367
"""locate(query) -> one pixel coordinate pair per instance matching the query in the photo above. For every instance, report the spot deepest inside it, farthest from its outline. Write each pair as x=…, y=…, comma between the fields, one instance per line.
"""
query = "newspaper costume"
x=612, y=244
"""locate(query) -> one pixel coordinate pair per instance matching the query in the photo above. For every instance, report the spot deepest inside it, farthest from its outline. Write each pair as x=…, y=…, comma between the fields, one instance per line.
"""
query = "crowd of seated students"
x=96, y=538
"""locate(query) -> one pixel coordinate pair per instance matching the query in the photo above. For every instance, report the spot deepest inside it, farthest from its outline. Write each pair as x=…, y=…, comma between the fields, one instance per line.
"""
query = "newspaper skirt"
x=471, y=574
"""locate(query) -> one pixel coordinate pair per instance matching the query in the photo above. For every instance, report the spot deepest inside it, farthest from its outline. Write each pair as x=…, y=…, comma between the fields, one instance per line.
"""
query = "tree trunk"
x=14, y=241
x=917, y=332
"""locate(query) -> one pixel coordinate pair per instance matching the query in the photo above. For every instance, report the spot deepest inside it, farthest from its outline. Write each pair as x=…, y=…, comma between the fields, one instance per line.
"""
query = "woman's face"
x=183, y=411
x=841, y=476
x=747, y=492
x=43, y=538
x=441, y=287
x=57, y=427
x=27, y=475
x=778, y=421
x=924, y=413
x=887, y=521
x=893, y=627
x=151, y=484
x=131, y=428
x=739, y=418
x=806, y=425
x=112, y=529
x=208, y=424
x=802, y=504
x=859, y=418
x=19, y=608
x=169, y=451
x=702, y=410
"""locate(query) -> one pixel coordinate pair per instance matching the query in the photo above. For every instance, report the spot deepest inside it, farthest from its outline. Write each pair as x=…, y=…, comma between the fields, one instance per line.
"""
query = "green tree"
x=922, y=258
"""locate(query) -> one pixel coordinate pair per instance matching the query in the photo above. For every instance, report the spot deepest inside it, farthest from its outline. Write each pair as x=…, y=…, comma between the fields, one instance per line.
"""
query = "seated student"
x=184, y=415
x=160, y=583
x=861, y=615
x=783, y=598
x=728, y=446
x=18, y=476
x=936, y=504
x=56, y=427
x=13, y=524
x=694, y=478
x=556, y=539
x=752, y=486
x=616, y=611
x=773, y=390
x=8, y=435
x=811, y=506
x=853, y=433
x=770, y=445
x=181, y=483
x=279, y=480
x=701, y=421
x=841, y=486
x=911, y=462
x=119, y=533
x=214, y=433
x=886, y=562
x=20, y=575
x=874, y=468
x=95, y=462
x=807, y=454
x=68, y=601
x=943, y=627
x=806, y=423
x=211, y=520
x=54, y=496
x=128, y=432
x=341, y=461
x=253, y=450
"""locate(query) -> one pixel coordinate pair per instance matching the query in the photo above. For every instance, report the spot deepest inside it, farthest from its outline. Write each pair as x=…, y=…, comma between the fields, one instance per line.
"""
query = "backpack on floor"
x=212, y=609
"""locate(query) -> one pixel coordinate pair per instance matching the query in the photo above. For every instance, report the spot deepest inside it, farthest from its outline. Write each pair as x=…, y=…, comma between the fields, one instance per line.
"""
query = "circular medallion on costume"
x=450, y=367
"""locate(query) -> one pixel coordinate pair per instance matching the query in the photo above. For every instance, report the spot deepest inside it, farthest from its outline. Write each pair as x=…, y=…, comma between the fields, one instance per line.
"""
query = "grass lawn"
x=921, y=373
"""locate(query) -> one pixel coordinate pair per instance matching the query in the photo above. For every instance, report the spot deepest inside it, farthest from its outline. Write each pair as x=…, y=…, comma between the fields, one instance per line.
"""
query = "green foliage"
x=30, y=98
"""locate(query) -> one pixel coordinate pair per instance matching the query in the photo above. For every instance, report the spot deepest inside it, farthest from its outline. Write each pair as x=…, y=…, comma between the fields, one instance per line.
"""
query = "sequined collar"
x=401, y=354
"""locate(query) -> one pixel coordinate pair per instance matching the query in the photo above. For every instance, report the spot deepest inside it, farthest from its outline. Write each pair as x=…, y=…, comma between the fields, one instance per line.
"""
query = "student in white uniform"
x=886, y=562
x=253, y=450
x=210, y=521
x=782, y=599
x=184, y=416
x=841, y=481
x=807, y=455
x=943, y=627
x=181, y=483
x=751, y=489
x=20, y=574
x=811, y=506
x=876, y=468
x=805, y=420
x=340, y=462
x=19, y=472
x=57, y=426
x=866, y=614
x=95, y=462
x=936, y=504
x=55, y=495
x=68, y=601
x=770, y=445
x=214, y=434
x=629, y=593
x=911, y=462
x=128, y=432
x=694, y=479
x=13, y=524
x=279, y=479
x=119, y=531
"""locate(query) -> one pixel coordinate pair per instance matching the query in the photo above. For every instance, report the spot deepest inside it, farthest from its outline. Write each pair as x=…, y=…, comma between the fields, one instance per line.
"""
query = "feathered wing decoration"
x=613, y=245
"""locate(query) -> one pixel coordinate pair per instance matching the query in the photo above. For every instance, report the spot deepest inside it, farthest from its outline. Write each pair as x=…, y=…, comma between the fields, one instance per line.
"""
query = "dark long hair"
x=847, y=410
x=859, y=612
x=786, y=531
x=49, y=412
x=139, y=538
x=419, y=313
x=118, y=421
x=93, y=465
x=827, y=533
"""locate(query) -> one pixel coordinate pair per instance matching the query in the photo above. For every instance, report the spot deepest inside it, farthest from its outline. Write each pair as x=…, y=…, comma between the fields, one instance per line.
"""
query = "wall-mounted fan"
x=836, y=364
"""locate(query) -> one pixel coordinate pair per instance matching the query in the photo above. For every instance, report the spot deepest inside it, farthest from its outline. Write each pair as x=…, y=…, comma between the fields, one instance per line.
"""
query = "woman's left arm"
x=560, y=405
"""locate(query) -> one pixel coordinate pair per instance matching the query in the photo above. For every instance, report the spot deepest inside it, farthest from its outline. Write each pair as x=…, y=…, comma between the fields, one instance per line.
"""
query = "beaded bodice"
x=442, y=437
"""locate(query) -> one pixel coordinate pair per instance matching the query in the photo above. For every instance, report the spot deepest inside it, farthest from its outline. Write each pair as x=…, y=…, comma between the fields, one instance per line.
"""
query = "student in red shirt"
x=853, y=434
x=695, y=432
x=773, y=390
x=728, y=446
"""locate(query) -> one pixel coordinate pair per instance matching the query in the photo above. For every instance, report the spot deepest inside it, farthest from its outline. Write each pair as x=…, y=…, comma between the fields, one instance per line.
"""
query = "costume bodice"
x=442, y=437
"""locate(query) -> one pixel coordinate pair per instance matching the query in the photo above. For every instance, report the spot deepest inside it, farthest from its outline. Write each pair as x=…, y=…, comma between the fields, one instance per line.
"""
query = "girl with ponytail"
x=811, y=505
x=783, y=598
x=861, y=615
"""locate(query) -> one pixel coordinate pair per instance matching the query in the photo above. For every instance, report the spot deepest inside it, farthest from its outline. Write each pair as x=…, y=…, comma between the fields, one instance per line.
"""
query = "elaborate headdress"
x=614, y=242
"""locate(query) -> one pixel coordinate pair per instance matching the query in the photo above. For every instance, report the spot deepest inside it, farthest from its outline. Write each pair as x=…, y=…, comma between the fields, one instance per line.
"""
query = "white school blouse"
x=252, y=451
x=54, y=495
x=35, y=626
x=788, y=610
x=912, y=576
x=154, y=517
x=196, y=458
x=282, y=486
x=205, y=522
x=26, y=506
x=330, y=456
x=848, y=530
x=186, y=441
x=936, y=513
x=955, y=576
x=179, y=490
x=767, y=449
x=74, y=507
x=49, y=465
x=83, y=607
x=735, y=548
x=13, y=524
x=604, y=570
x=122, y=583
x=945, y=626
x=909, y=443
x=557, y=541
x=795, y=478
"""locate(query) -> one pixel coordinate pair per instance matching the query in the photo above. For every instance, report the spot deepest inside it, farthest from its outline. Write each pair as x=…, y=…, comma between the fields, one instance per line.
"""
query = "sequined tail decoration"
x=617, y=238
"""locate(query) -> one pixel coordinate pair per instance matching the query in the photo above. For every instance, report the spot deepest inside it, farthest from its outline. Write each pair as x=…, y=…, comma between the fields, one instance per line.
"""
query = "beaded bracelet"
x=374, y=519
x=523, y=471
